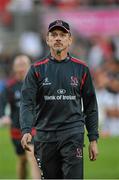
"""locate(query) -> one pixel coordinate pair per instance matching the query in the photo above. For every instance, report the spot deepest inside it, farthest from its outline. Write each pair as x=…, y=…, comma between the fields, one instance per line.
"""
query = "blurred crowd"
x=20, y=33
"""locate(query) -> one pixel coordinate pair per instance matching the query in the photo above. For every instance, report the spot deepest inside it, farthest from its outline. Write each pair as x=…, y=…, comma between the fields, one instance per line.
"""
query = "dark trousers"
x=62, y=159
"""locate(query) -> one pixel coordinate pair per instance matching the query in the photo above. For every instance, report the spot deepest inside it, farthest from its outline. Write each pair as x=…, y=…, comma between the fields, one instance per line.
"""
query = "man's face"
x=21, y=66
x=58, y=40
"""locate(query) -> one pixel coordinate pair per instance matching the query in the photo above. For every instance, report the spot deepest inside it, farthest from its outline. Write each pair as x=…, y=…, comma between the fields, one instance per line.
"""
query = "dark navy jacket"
x=59, y=97
x=11, y=95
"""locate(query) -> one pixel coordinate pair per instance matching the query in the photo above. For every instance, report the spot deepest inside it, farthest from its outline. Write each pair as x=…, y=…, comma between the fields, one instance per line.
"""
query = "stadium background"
x=94, y=24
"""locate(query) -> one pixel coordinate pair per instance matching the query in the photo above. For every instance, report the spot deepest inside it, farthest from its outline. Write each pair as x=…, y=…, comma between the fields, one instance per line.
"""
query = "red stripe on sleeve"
x=41, y=62
x=83, y=80
x=37, y=74
x=78, y=61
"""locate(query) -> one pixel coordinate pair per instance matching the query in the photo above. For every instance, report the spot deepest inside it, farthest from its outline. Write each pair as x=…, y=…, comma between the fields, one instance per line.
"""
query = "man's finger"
x=93, y=156
x=26, y=140
x=27, y=147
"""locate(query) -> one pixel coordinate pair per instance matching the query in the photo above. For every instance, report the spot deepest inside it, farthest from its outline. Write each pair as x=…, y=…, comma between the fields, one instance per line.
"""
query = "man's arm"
x=91, y=112
x=27, y=105
x=4, y=119
x=3, y=102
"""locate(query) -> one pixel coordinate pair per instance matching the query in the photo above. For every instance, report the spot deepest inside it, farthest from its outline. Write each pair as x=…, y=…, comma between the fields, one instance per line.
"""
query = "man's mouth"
x=58, y=44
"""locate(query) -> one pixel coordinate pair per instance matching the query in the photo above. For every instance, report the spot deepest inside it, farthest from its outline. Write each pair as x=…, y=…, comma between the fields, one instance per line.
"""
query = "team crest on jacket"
x=79, y=153
x=74, y=81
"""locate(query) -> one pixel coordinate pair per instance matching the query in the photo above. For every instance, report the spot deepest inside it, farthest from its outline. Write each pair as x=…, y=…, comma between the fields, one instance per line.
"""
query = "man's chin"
x=58, y=49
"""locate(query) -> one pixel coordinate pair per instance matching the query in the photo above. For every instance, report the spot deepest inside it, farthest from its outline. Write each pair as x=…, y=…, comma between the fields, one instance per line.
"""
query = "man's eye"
x=63, y=35
x=54, y=34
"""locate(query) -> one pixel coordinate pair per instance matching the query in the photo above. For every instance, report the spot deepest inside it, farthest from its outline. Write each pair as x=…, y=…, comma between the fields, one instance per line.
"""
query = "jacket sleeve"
x=90, y=107
x=28, y=100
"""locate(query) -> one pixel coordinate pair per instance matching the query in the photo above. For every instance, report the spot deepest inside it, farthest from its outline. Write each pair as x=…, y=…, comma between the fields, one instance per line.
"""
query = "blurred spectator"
x=11, y=96
x=101, y=50
x=107, y=83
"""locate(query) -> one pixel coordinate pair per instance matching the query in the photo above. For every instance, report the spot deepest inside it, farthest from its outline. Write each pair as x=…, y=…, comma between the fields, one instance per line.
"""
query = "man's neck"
x=59, y=56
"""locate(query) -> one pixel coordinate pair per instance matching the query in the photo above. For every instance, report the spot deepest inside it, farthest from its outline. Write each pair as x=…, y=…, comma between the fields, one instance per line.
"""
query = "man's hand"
x=93, y=150
x=26, y=140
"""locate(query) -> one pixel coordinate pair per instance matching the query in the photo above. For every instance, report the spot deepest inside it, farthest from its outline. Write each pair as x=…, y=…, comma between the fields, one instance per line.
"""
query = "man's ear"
x=70, y=40
x=47, y=40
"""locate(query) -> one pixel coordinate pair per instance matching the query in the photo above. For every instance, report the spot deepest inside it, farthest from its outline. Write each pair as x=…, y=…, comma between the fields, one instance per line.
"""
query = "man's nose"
x=58, y=37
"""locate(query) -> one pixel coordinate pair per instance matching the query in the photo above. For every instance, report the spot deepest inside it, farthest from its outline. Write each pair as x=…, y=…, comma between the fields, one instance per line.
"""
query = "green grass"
x=7, y=156
x=106, y=166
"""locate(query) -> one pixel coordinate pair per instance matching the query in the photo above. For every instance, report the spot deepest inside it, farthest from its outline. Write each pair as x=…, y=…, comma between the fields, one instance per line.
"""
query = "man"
x=11, y=96
x=56, y=87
